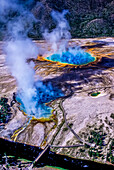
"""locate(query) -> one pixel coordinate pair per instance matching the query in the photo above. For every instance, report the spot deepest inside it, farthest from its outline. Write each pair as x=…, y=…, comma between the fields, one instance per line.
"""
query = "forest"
x=87, y=18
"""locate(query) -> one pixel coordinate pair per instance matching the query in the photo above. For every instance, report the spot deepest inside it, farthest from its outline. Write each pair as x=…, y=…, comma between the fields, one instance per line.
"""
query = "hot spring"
x=44, y=94
x=73, y=56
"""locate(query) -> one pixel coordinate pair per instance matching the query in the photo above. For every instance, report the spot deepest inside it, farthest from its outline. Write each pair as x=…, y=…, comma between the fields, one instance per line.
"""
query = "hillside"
x=92, y=18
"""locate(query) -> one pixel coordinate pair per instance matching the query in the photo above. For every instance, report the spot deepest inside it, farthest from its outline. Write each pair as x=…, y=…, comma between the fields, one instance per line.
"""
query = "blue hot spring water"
x=44, y=95
x=73, y=56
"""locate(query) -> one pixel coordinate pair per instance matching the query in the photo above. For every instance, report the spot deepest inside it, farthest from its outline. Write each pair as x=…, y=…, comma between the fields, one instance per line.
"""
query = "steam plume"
x=60, y=33
x=59, y=37
x=18, y=52
x=19, y=48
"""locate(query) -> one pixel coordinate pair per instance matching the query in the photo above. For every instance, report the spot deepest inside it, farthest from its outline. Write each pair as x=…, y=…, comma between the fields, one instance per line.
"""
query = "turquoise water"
x=42, y=110
x=45, y=94
x=78, y=57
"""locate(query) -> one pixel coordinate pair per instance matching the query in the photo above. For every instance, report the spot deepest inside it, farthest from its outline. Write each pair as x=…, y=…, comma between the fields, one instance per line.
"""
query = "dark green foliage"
x=70, y=125
x=108, y=122
x=82, y=150
x=110, y=156
x=98, y=139
x=3, y=101
x=87, y=18
x=4, y=110
x=112, y=115
x=65, y=129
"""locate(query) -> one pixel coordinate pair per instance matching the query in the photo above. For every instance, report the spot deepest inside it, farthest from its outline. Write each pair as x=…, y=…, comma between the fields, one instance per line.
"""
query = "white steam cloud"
x=58, y=39
x=60, y=35
x=18, y=52
x=19, y=48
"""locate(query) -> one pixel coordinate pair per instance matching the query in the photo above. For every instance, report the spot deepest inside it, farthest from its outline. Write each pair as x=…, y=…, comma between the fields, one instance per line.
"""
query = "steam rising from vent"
x=60, y=34
x=19, y=48
x=18, y=52
x=59, y=38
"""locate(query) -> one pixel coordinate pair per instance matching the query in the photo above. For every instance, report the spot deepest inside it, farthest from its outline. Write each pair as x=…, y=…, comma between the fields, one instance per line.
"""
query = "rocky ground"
x=88, y=105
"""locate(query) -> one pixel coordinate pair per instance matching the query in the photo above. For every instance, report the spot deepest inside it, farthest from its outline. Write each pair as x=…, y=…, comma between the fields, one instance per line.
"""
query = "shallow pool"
x=74, y=57
x=44, y=94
